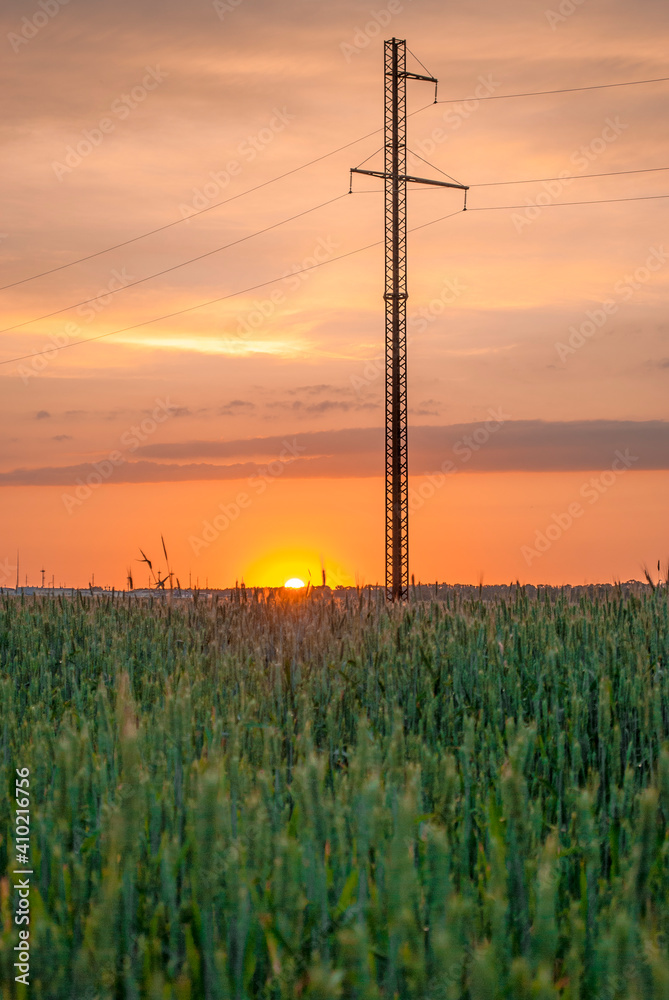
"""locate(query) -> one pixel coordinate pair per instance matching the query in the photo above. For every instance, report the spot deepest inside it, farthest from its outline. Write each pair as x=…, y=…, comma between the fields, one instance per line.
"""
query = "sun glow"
x=293, y=559
x=294, y=583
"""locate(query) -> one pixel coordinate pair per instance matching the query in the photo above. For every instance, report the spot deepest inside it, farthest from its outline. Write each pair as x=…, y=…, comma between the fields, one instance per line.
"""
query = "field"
x=460, y=799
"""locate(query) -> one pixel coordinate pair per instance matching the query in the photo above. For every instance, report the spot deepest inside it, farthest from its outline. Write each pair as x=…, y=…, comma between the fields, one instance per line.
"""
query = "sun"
x=294, y=583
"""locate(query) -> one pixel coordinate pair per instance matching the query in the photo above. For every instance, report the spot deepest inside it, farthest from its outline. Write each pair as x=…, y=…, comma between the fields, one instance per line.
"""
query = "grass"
x=459, y=799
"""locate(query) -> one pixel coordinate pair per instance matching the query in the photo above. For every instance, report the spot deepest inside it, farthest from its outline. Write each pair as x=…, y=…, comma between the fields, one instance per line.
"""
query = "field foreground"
x=285, y=797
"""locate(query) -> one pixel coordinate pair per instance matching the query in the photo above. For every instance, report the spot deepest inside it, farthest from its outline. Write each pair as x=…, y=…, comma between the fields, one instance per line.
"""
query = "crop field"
x=292, y=797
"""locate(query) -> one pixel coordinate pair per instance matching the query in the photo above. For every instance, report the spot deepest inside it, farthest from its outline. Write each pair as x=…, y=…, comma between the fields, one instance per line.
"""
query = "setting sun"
x=294, y=583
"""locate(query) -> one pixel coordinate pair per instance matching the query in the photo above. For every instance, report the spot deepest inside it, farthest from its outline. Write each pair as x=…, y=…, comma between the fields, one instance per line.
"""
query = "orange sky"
x=121, y=119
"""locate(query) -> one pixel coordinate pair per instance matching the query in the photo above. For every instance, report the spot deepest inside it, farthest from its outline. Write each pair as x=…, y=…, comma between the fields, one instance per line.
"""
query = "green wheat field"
x=463, y=798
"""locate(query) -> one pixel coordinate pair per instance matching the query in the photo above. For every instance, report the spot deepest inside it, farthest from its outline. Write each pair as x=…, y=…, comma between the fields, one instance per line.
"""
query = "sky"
x=234, y=405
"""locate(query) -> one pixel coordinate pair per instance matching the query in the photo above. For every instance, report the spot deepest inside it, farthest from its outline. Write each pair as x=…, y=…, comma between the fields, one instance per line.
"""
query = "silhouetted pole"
x=395, y=188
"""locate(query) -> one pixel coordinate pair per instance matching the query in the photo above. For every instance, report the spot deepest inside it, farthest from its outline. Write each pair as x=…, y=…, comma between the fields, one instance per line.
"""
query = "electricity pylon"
x=395, y=180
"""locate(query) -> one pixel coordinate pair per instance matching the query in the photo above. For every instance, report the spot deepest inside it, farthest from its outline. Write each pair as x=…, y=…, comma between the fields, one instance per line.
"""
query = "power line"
x=379, y=150
x=350, y=253
x=542, y=93
x=538, y=180
x=303, y=166
x=434, y=167
x=570, y=177
x=209, y=302
x=209, y=208
x=433, y=222
x=200, y=305
x=175, y=267
x=181, y=312
x=419, y=62
x=564, y=204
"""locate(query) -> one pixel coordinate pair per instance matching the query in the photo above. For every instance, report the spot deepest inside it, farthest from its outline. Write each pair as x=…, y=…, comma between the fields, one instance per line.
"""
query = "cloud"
x=423, y=411
x=519, y=445
x=130, y=472
x=43, y=415
x=516, y=446
x=328, y=405
x=324, y=406
x=62, y=437
x=179, y=411
x=236, y=407
x=427, y=408
x=314, y=390
x=341, y=442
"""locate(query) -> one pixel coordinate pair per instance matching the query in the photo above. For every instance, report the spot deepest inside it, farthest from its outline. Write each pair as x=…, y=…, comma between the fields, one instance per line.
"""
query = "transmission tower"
x=395, y=180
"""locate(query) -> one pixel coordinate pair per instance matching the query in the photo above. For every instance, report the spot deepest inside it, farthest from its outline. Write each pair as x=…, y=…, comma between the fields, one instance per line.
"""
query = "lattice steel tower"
x=395, y=180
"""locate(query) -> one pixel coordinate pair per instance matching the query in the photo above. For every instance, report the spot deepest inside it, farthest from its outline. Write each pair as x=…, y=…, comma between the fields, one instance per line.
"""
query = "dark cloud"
x=236, y=407
x=324, y=406
x=486, y=446
x=130, y=472
x=327, y=405
x=341, y=442
x=312, y=390
x=61, y=437
x=43, y=415
x=516, y=445
x=179, y=411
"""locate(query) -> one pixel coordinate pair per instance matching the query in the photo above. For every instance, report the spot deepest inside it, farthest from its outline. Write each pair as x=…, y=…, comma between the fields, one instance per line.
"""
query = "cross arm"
x=445, y=184
x=370, y=173
x=417, y=76
x=407, y=177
